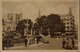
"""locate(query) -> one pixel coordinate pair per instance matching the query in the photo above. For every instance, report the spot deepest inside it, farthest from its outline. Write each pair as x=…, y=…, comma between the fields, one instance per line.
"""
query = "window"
x=68, y=23
x=71, y=18
x=71, y=23
x=67, y=26
x=71, y=27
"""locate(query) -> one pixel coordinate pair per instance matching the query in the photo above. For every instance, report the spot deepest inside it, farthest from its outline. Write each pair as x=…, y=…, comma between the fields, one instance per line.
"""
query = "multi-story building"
x=9, y=23
x=69, y=22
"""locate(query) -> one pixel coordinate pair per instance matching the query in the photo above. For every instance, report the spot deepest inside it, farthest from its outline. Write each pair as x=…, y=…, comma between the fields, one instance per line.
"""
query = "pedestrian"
x=73, y=43
x=63, y=43
x=37, y=40
x=26, y=41
x=67, y=37
x=67, y=43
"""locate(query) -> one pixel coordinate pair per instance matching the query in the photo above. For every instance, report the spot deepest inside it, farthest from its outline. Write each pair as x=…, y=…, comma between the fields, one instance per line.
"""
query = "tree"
x=55, y=24
x=41, y=20
x=22, y=25
x=42, y=23
x=36, y=28
x=52, y=23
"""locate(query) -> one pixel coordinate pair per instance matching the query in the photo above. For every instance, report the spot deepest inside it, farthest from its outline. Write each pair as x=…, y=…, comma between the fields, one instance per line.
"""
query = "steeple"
x=21, y=15
x=39, y=14
x=70, y=11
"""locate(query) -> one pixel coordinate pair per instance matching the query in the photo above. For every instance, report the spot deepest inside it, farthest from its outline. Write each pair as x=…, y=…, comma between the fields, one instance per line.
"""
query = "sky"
x=30, y=9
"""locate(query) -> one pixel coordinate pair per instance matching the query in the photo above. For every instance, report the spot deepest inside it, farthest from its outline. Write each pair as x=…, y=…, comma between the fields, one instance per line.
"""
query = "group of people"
x=68, y=43
x=29, y=41
x=36, y=40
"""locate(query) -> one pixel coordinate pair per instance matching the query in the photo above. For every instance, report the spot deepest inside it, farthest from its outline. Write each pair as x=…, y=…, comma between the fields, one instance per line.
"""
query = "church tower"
x=71, y=19
x=69, y=23
x=39, y=14
x=70, y=11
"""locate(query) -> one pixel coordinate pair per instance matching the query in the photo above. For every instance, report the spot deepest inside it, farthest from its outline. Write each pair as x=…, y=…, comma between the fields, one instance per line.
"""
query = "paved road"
x=55, y=44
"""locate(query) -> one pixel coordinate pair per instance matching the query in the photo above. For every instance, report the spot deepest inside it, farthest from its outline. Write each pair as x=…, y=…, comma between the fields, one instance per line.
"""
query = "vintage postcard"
x=40, y=25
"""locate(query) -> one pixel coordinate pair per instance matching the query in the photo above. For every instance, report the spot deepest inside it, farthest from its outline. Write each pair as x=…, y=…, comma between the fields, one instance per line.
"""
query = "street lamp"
x=26, y=29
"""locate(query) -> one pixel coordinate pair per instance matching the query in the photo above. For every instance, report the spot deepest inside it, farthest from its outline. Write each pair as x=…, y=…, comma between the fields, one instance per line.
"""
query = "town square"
x=40, y=25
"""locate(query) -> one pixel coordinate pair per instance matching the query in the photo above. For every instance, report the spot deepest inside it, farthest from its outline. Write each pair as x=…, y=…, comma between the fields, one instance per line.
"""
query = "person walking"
x=37, y=40
x=63, y=43
x=26, y=41
x=67, y=43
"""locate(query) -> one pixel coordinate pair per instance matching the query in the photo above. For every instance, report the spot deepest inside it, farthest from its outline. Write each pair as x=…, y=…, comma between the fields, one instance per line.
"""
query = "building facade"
x=9, y=23
x=69, y=22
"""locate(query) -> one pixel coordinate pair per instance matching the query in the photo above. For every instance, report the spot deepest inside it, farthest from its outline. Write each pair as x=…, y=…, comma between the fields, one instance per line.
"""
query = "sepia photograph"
x=40, y=25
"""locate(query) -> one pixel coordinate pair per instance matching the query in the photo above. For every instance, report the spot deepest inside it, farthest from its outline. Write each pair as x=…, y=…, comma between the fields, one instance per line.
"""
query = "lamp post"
x=26, y=29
